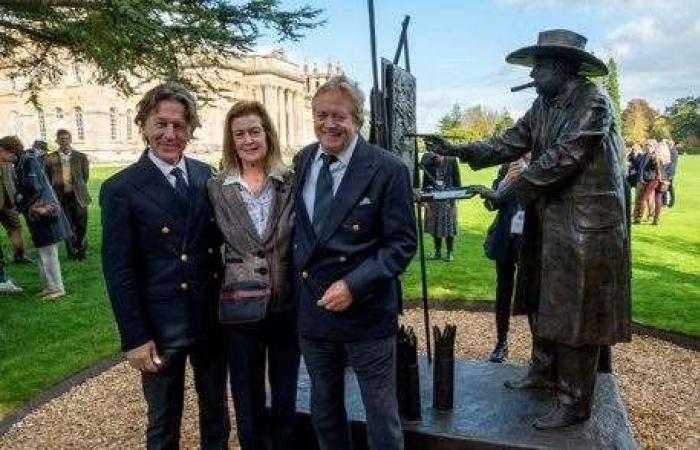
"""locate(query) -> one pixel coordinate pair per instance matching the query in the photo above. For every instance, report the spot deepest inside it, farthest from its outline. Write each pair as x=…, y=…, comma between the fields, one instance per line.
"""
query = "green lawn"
x=43, y=343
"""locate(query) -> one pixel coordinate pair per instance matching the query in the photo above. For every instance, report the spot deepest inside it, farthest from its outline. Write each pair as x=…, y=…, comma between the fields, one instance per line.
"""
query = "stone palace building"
x=102, y=121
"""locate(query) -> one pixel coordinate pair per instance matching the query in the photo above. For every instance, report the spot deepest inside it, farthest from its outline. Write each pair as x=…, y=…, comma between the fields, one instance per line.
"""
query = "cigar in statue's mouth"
x=522, y=86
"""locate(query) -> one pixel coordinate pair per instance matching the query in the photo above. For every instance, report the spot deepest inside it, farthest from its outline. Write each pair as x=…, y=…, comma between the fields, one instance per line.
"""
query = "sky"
x=457, y=48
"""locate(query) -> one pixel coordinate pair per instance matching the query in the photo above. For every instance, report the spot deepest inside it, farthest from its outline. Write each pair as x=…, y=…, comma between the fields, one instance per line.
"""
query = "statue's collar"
x=563, y=99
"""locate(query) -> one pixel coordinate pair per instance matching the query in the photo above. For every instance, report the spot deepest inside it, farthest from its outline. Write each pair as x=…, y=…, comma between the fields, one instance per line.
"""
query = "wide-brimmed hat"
x=560, y=44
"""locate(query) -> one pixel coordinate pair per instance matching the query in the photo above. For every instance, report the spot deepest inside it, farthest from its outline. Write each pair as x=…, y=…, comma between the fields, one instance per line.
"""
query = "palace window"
x=79, y=126
x=129, y=126
x=59, y=113
x=42, y=124
x=113, y=123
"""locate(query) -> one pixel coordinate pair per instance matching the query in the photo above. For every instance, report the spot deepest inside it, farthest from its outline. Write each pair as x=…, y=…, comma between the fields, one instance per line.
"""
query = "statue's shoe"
x=560, y=417
x=528, y=382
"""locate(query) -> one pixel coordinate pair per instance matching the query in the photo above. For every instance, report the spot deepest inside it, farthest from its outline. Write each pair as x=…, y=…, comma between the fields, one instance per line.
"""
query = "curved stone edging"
x=680, y=339
x=58, y=390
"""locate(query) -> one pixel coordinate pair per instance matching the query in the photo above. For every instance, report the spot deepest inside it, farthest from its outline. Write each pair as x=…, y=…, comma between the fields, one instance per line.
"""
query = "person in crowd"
x=162, y=267
x=671, y=169
x=637, y=173
x=39, y=150
x=502, y=244
x=441, y=172
x=354, y=233
x=69, y=171
x=573, y=192
x=7, y=286
x=45, y=219
x=252, y=199
x=9, y=216
x=655, y=182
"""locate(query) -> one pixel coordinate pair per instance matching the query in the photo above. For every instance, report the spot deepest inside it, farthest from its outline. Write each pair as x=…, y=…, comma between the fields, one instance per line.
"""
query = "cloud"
x=491, y=90
x=655, y=43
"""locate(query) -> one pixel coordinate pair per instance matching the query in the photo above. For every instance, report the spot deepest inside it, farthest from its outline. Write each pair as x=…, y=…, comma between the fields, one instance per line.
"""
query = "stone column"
x=281, y=129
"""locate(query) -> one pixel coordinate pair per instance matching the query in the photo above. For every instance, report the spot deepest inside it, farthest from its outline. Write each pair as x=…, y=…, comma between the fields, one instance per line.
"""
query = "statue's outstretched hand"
x=438, y=145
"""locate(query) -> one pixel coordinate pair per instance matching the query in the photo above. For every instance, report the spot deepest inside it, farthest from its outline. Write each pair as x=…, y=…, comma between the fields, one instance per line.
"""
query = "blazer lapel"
x=159, y=190
x=279, y=203
x=239, y=213
x=300, y=208
x=357, y=176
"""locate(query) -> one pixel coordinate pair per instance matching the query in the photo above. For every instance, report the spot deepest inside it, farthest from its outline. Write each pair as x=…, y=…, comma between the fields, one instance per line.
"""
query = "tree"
x=660, y=128
x=612, y=86
x=637, y=120
x=128, y=41
x=451, y=119
x=684, y=120
x=473, y=123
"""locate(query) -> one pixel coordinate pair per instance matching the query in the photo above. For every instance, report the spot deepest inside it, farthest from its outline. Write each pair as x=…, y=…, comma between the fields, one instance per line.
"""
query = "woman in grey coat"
x=45, y=219
x=252, y=202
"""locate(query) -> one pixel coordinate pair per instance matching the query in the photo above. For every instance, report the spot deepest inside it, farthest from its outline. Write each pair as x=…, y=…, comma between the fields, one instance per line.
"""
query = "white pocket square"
x=365, y=201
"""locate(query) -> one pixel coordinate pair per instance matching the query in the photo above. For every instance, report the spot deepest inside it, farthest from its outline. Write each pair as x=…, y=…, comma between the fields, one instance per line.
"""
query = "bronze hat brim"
x=590, y=65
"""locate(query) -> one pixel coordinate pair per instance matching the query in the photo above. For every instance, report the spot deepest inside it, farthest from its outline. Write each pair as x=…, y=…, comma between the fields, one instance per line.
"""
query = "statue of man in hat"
x=575, y=263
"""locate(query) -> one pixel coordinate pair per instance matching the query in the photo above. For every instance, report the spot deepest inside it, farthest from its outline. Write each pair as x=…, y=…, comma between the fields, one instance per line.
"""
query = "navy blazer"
x=500, y=245
x=160, y=258
x=368, y=240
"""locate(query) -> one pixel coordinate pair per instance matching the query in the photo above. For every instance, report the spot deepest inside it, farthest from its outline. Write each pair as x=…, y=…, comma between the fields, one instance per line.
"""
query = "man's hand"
x=144, y=357
x=337, y=298
x=439, y=146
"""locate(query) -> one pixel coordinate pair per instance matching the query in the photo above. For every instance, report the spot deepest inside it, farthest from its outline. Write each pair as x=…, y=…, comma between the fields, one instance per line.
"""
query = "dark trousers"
x=273, y=341
x=164, y=393
x=573, y=370
x=505, y=280
x=374, y=364
x=449, y=242
x=78, y=217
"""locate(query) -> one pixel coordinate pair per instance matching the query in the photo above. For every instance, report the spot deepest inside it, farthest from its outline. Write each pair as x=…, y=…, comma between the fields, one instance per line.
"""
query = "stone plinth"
x=487, y=415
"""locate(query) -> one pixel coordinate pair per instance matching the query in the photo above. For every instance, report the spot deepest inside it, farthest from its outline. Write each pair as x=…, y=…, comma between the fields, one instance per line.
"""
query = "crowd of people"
x=651, y=168
x=50, y=191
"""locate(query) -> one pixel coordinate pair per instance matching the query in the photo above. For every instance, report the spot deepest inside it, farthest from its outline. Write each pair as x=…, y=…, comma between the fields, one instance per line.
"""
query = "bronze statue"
x=575, y=275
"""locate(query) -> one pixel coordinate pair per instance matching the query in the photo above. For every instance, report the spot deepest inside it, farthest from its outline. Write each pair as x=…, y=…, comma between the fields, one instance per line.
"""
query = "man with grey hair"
x=161, y=262
x=354, y=233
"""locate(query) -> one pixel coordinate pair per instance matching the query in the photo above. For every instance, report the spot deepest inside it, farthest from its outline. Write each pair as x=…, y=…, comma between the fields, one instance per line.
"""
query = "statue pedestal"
x=486, y=414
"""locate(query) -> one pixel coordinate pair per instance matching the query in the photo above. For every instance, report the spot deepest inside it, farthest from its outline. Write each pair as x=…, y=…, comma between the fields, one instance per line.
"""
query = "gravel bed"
x=659, y=383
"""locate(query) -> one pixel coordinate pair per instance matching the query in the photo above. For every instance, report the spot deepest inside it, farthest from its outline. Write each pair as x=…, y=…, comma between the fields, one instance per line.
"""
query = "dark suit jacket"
x=368, y=240
x=80, y=173
x=161, y=259
x=500, y=245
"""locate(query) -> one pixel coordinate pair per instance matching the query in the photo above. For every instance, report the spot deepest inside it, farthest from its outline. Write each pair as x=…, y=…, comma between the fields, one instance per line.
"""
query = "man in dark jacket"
x=502, y=244
x=576, y=265
x=161, y=262
x=68, y=171
x=354, y=233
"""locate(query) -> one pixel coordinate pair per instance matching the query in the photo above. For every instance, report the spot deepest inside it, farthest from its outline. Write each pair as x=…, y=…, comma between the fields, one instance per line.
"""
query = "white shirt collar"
x=166, y=167
x=233, y=176
x=344, y=156
x=65, y=155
